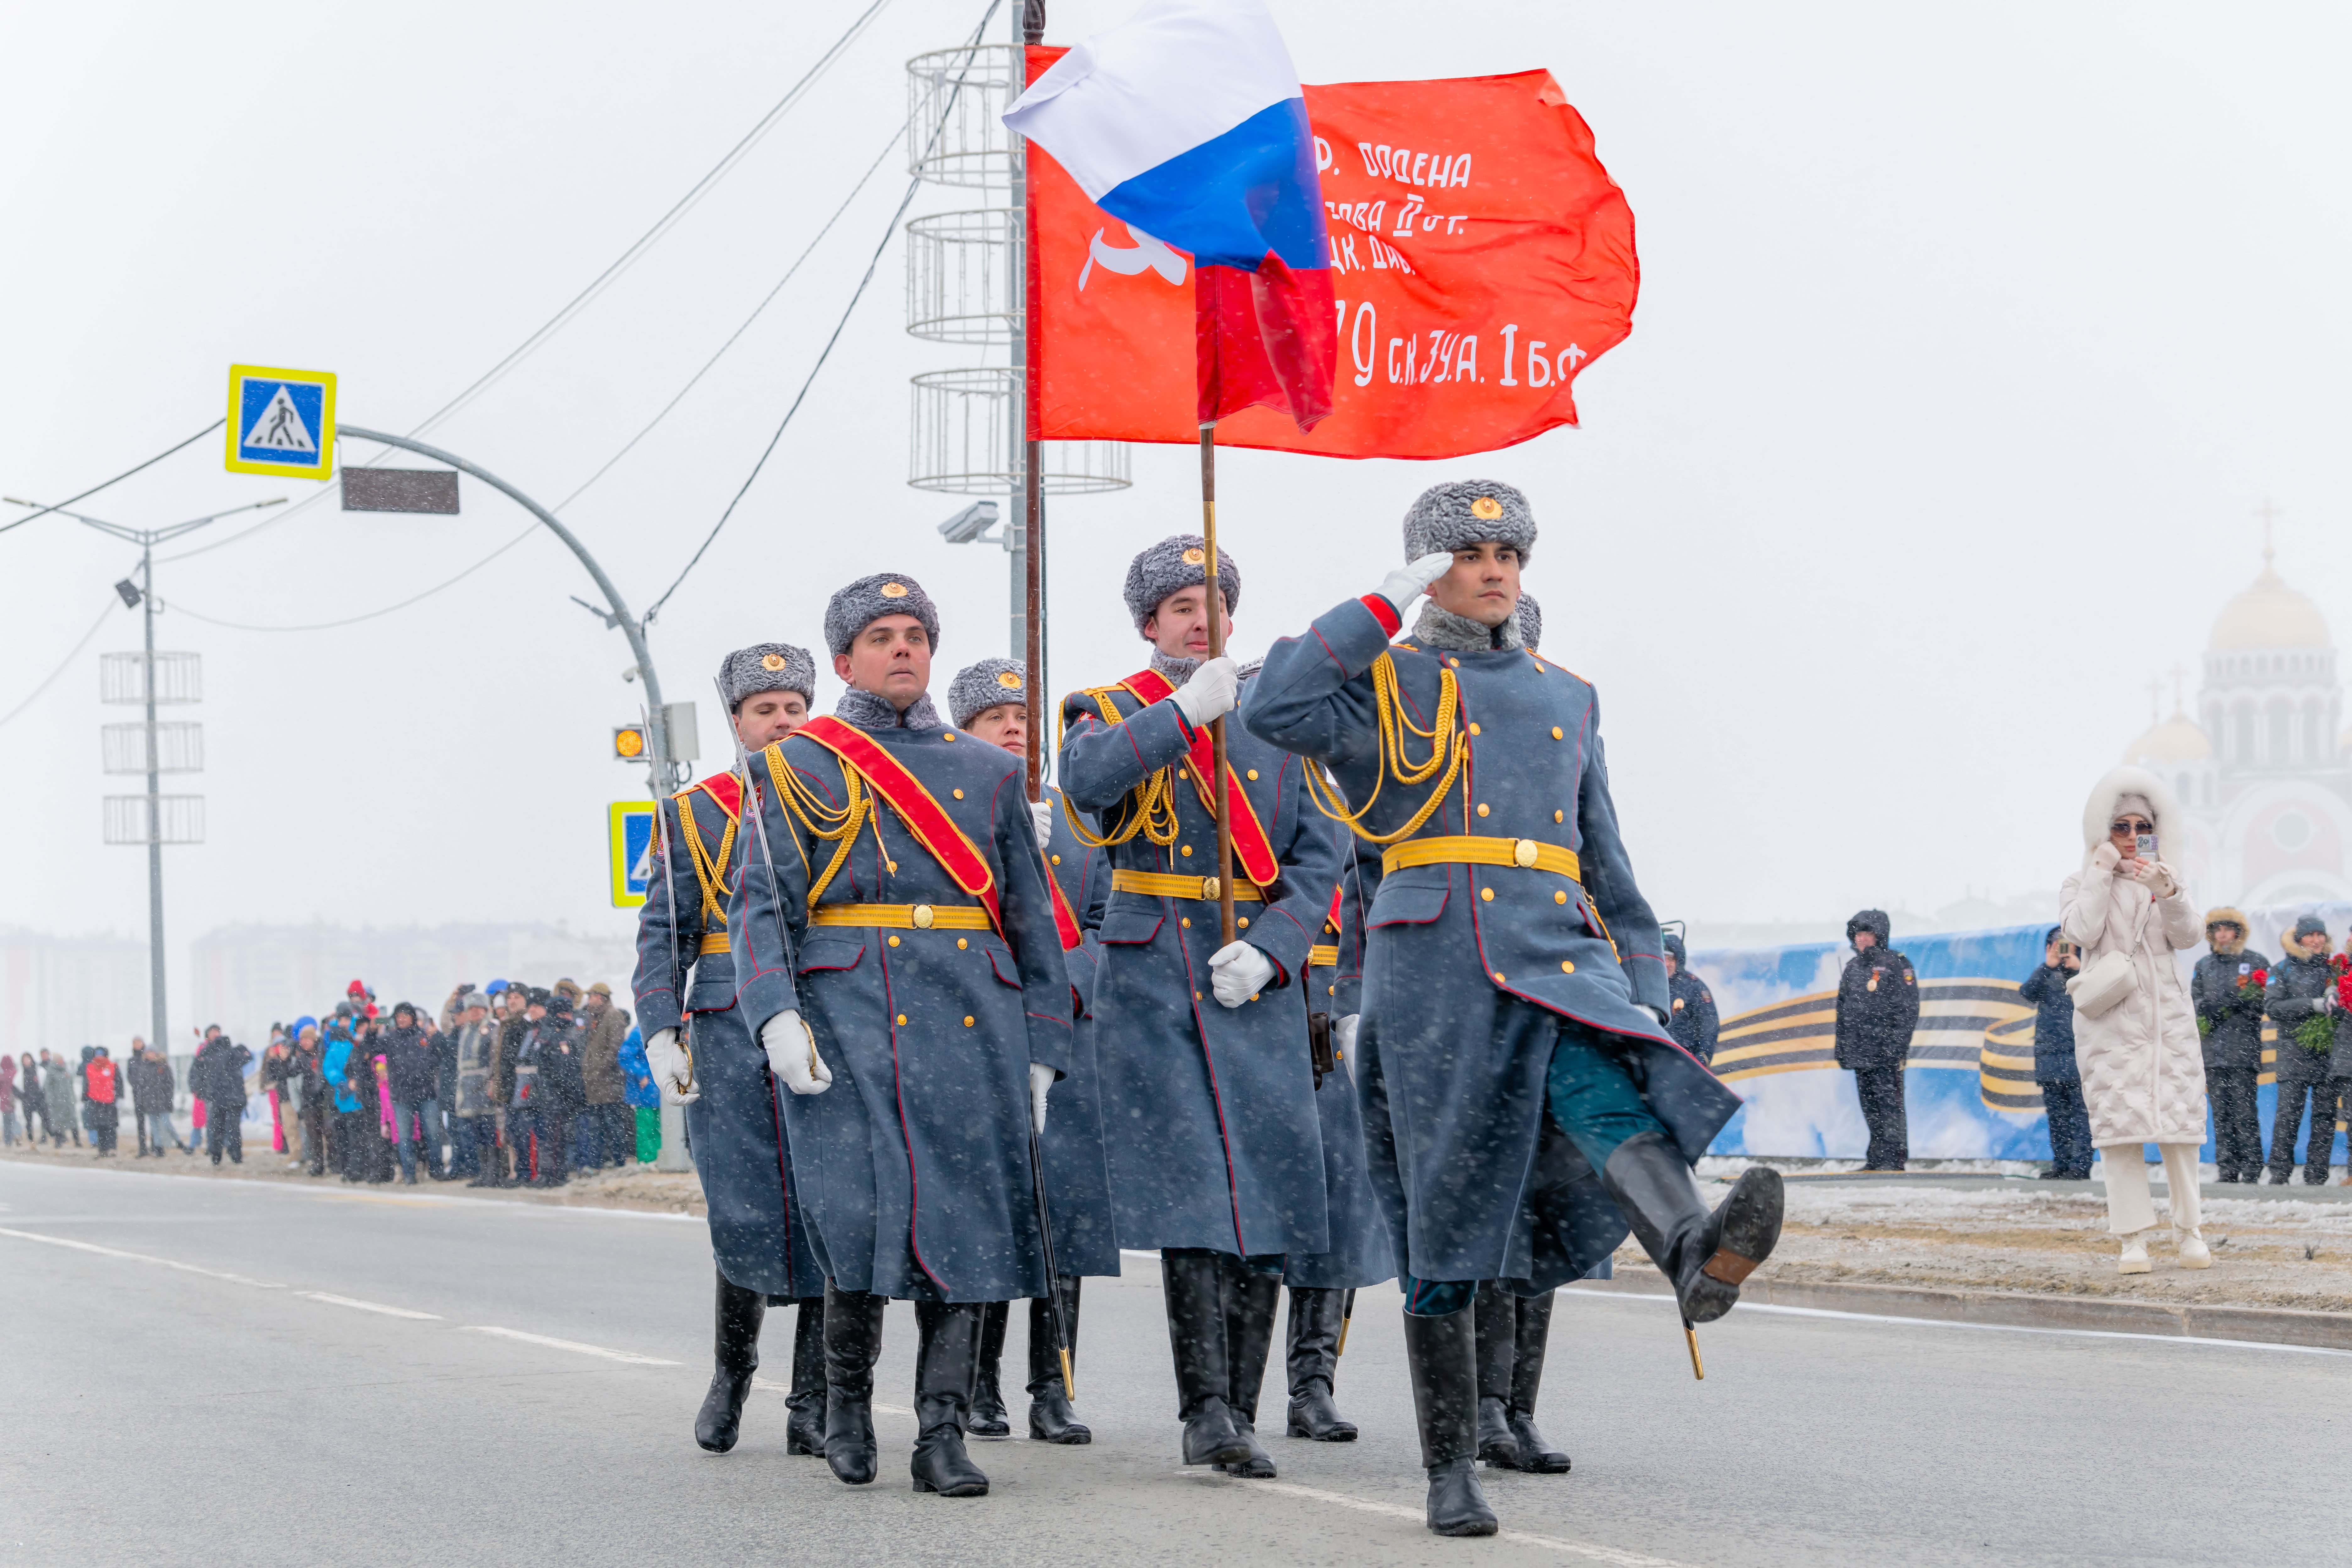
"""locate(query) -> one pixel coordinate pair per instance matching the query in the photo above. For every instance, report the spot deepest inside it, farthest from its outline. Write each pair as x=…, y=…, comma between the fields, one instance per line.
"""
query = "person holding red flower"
x=2304, y=1003
x=2227, y=988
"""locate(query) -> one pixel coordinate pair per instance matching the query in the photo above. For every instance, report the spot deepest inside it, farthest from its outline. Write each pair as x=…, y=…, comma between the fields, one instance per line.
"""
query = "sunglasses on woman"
x=2130, y=824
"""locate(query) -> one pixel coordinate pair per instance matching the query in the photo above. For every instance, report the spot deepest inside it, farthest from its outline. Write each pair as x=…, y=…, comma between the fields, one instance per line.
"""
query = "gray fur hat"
x=766, y=666
x=1176, y=563
x=869, y=599
x=1469, y=512
x=1530, y=621
x=980, y=687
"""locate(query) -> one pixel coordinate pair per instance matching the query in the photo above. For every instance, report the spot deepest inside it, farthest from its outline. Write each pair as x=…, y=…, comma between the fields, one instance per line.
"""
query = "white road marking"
x=775, y=1387
x=367, y=1306
x=1587, y=1549
x=141, y=1257
x=632, y=1357
x=1890, y=1319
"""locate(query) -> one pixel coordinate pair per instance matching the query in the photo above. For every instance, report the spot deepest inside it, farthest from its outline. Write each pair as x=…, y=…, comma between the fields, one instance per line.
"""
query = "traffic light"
x=629, y=742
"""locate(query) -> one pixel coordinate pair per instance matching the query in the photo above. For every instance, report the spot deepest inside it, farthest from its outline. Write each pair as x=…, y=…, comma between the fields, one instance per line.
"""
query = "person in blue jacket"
x=893, y=929
x=2054, y=1067
x=1691, y=1017
x=1524, y=1102
x=1211, y=1133
x=990, y=701
x=685, y=985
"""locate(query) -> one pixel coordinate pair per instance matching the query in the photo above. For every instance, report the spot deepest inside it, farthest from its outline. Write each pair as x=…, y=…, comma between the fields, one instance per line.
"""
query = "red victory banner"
x=1481, y=257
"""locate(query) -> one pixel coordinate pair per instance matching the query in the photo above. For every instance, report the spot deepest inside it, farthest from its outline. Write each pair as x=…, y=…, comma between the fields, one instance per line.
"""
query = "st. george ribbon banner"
x=1480, y=258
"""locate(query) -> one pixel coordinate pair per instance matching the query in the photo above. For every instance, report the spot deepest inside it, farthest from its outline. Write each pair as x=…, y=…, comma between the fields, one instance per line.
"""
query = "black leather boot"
x=1498, y=1313
x=804, y=1433
x=853, y=1338
x=737, y=1352
x=1194, y=1284
x=1535, y=1455
x=1441, y=1358
x=1051, y=1419
x=988, y=1400
x=947, y=1364
x=1250, y=1301
x=1311, y=1358
x=1705, y=1255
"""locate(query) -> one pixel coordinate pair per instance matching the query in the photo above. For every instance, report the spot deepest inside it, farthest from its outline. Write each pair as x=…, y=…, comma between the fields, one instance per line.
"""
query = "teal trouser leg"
x=1593, y=1097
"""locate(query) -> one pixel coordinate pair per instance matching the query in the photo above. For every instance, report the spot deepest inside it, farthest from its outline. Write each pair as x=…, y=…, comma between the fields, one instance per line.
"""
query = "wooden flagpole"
x=1216, y=650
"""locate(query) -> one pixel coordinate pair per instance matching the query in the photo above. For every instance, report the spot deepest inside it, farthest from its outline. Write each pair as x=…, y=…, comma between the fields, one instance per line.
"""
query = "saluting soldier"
x=1211, y=1133
x=1523, y=1102
x=758, y=1237
x=893, y=929
x=1323, y=1285
x=989, y=700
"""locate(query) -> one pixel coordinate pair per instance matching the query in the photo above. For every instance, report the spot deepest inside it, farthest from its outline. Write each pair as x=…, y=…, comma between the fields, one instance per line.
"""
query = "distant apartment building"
x=63, y=993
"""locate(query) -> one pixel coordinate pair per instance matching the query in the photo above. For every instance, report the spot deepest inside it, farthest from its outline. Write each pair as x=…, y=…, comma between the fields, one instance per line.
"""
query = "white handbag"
x=2106, y=985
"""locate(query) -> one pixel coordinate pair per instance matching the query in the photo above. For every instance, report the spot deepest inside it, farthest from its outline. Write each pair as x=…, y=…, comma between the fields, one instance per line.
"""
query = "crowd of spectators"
x=510, y=1085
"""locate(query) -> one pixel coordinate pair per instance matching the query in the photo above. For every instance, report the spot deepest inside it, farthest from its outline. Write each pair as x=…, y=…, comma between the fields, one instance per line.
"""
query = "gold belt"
x=903, y=917
x=1323, y=957
x=714, y=942
x=1168, y=885
x=1469, y=849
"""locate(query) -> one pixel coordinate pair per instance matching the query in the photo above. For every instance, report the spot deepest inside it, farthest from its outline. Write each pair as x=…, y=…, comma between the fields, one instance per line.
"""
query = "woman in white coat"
x=2135, y=1028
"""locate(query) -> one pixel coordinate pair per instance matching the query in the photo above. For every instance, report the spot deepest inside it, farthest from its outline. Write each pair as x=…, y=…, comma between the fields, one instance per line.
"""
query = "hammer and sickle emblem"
x=1146, y=254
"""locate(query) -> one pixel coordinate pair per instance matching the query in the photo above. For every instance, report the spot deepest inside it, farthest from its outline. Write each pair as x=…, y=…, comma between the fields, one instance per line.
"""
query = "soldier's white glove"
x=1408, y=583
x=1209, y=695
x=1041, y=816
x=668, y=1063
x=792, y=1054
x=1343, y=1035
x=1238, y=972
x=1041, y=1079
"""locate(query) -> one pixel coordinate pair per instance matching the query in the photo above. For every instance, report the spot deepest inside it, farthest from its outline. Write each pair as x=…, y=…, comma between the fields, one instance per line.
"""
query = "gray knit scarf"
x=1177, y=670
x=869, y=710
x=1444, y=628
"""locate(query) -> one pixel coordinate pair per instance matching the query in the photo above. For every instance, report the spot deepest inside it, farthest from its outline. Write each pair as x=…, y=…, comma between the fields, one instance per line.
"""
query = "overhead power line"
x=116, y=480
x=111, y=604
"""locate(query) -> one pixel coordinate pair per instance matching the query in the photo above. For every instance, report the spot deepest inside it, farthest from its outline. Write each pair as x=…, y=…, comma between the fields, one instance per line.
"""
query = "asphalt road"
x=254, y=1374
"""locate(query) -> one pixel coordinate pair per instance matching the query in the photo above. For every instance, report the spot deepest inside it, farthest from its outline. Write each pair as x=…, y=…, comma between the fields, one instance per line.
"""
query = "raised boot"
x=987, y=1399
x=1250, y=1301
x=853, y=1338
x=1498, y=1327
x=1441, y=1358
x=736, y=1352
x=947, y=1364
x=804, y=1433
x=1194, y=1285
x=1051, y=1419
x=1536, y=1456
x=1705, y=1256
x=1311, y=1359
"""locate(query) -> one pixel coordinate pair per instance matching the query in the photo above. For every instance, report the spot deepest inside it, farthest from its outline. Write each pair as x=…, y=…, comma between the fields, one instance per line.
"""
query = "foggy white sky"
x=1968, y=345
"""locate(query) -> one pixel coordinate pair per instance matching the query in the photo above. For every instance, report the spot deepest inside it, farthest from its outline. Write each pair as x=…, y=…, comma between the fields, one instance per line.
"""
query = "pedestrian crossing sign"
x=281, y=422
x=630, y=825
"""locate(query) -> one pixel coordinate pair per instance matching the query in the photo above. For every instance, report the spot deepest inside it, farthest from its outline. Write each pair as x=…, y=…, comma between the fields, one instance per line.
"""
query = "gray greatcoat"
x=736, y=1130
x=1209, y=1120
x=1077, y=1180
x=914, y=1165
x=1361, y=1255
x=1463, y=962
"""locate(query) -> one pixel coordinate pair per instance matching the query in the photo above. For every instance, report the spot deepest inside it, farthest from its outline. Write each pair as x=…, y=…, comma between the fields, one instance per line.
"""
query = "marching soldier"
x=990, y=701
x=1323, y=1286
x=1210, y=1134
x=1524, y=1103
x=758, y=1237
x=892, y=929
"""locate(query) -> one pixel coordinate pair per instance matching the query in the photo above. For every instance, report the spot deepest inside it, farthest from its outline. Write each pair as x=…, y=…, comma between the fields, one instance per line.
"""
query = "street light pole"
x=666, y=777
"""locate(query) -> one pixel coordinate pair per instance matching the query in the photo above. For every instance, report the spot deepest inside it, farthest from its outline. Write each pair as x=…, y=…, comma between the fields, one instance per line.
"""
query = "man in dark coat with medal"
x=1208, y=1093
x=990, y=701
x=758, y=1234
x=893, y=929
x=1524, y=1103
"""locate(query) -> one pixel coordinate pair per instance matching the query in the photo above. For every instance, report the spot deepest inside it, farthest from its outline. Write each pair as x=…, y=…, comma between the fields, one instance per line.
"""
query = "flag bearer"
x=1209, y=1129
x=1524, y=1103
x=989, y=700
x=893, y=931
x=756, y=1233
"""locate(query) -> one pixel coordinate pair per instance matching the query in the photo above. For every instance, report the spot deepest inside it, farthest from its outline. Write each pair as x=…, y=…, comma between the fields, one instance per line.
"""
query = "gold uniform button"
x=1539, y=667
x=962, y=943
x=1330, y=991
x=1253, y=775
x=1482, y=808
x=959, y=795
x=1558, y=734
x=1188, y=923
x=892, y=866
x=1196, y=995
x=1567, y=966
x=951, y=735
x=1498, y=977
x=1559, y=898
x=1243, y=923
x=902, y=1017
x=1486, y=895
x=1183, y=774
x=1187, y=850
x=894, y=941
x=1473, y=729
x=967, y=1020
x=1057, y=859
x=1559, y=816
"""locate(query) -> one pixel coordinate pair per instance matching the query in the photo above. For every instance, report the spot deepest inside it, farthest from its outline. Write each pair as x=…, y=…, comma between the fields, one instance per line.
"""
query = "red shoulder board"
x=1250, y=842
x=1334, y=915
x=726, y=789
x=923, y=815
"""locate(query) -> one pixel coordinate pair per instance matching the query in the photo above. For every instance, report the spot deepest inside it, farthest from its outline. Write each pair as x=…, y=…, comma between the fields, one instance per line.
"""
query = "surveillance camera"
x=970, y=524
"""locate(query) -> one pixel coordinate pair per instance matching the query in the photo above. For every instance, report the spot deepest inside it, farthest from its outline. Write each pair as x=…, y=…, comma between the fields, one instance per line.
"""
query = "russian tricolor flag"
x=1188, y=123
